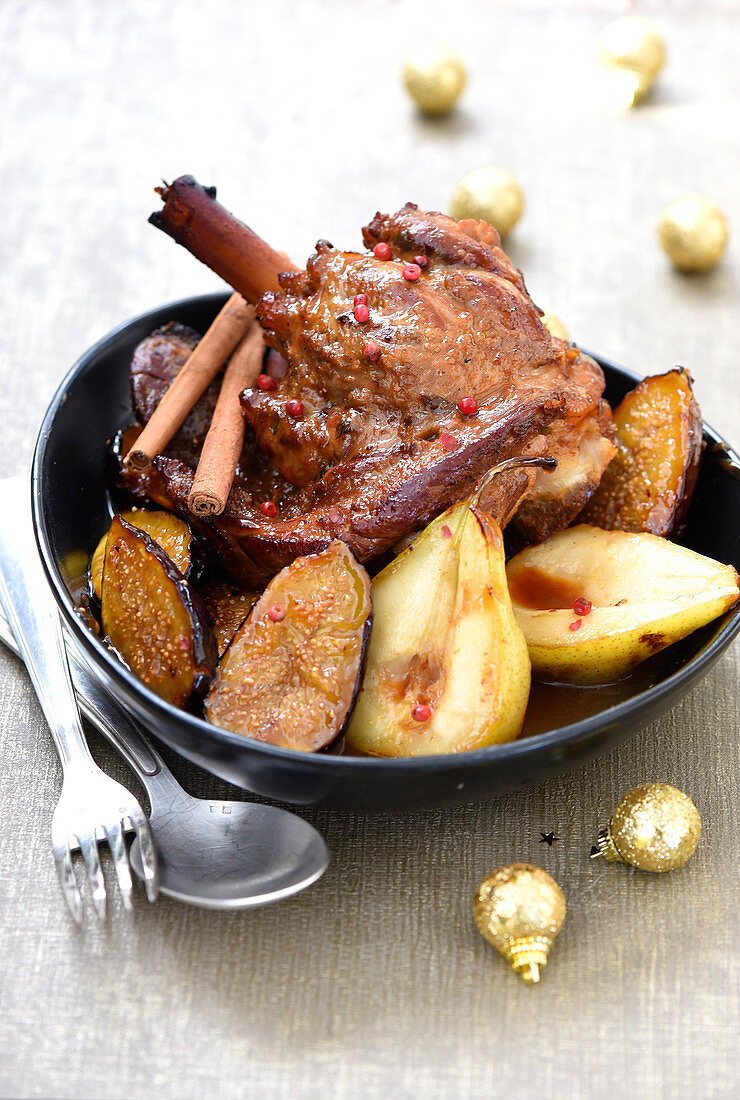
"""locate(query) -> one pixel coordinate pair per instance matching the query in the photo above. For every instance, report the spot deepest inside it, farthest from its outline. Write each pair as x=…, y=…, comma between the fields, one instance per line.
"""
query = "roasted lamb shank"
x=363, y=438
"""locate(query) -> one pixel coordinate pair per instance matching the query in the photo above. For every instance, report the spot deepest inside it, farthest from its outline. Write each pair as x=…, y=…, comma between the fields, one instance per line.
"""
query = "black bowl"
x=71, y=513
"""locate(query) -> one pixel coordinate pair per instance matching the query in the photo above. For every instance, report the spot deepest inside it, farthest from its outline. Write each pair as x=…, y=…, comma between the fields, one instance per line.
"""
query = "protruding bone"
x=195, y=220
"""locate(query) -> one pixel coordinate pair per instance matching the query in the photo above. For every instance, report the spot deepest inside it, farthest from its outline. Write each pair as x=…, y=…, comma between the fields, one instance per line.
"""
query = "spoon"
x=219, y=855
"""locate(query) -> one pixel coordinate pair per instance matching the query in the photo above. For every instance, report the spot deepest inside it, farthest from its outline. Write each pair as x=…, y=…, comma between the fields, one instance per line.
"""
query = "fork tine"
x=148, y=853
x=67, y=879
x=117, y=845
x=90, y=854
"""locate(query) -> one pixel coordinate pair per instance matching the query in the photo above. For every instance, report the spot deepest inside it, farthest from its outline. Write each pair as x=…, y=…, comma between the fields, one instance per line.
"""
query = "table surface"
x=374, y=982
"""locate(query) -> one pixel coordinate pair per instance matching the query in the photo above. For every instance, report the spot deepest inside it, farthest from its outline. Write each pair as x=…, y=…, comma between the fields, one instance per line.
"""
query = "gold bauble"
x=491, y=194
x=655, y=827
x=555, y=325
x=434, y=76
x=633, y=50
x=520, y=910
x=693, y=232
x=633, y=43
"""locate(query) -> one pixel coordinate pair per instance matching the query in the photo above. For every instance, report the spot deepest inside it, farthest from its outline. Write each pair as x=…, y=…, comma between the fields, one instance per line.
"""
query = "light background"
x=374, y=982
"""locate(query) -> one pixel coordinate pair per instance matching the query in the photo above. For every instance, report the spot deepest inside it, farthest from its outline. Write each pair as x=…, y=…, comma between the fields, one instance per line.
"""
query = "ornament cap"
x=530, y=973
x=605, y=847
x=630, y=86
x=526, y=955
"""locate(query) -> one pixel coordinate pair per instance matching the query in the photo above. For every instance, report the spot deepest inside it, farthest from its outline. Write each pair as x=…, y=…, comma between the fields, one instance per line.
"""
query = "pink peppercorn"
x=268, y=508
x=266, y=383
x=421, y=713
x=421, y=261
x=576, y=625
x=468, y=406
x=449, y=442
x=411, y=272
x=582, y=606
x=362, y=313
x=371, y=351
x=360, y=300
x=276, y=612
x=294, y=408
x=382, y=251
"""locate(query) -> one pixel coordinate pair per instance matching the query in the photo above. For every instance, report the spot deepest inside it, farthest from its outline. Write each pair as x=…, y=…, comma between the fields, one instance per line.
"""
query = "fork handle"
x=34, y=619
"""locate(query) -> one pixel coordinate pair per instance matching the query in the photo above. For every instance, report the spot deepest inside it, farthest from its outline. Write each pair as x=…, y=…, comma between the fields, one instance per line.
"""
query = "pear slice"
x=646, y=594
x=444, y=645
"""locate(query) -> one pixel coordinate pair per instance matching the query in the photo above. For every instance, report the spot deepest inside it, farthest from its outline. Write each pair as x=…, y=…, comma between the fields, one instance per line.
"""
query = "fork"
x=92, y=806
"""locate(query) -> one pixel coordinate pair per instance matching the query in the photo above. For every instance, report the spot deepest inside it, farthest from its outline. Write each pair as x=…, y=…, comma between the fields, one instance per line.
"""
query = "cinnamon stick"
x=223, y=443
x=194, y=219
x=196, y=375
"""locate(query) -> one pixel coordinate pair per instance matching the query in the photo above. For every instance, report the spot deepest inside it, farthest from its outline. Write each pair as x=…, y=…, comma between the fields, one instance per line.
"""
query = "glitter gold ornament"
x=520, y=910
x=633, y=42
x=434, y=76
x=633, y=50
x=693, y=232
x=489, y=193
x=555, y=325
x=655, y=827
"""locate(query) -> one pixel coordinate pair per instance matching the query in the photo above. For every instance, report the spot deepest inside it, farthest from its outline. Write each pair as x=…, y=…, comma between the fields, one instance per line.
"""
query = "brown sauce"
x=531, y=588
x=552, y=706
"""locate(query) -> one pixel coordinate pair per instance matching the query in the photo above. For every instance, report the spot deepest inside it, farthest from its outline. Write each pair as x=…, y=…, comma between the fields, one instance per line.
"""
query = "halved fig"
x=649, y=483
x=228, y=605
x=447, y=668
x=153, y=618
x=593, y=604
x=291, y=674
x=168, y=531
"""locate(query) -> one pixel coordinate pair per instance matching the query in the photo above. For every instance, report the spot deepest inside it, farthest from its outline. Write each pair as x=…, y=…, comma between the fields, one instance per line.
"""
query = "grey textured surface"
x=374, y=982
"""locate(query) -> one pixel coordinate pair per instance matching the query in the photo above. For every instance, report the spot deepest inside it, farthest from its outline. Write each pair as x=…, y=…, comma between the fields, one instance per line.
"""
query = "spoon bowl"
x=232, y=855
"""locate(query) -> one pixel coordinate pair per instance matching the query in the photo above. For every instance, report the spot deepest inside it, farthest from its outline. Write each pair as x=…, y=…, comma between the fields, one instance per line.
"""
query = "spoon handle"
x=107, y=717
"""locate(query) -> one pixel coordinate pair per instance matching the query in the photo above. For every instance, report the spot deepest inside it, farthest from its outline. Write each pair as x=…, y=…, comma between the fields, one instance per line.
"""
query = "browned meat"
x=378, y=445
x=466, y=328
x=370, y=503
